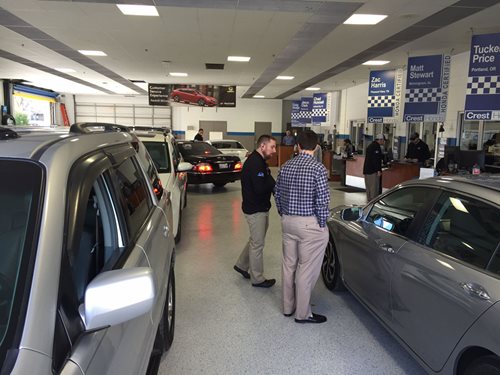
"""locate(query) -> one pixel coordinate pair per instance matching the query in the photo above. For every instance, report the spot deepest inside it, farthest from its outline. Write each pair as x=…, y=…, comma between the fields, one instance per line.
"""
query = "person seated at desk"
x=418, y=151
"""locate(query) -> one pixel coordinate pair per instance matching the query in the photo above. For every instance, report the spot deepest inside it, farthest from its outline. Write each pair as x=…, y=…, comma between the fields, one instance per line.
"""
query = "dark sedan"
x=424, y=258
x=210, y=165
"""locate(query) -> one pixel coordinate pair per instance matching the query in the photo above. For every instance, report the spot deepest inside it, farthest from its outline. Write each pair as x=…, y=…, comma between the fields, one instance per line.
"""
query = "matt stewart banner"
x=296, y=113
x=482, y=101
x=427, y=81
x=319, y=108
x=384, y=94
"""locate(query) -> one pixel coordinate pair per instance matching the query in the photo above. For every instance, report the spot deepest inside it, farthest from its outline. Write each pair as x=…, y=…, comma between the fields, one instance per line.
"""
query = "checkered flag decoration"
x=316, y=112
x=483, y=85
x=381, y=101
x=423, y=95
x=305, y=114
x=295, y=115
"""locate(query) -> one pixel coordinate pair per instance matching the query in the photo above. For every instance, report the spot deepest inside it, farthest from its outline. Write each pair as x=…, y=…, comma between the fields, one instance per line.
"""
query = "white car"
x=172, y=169
x=231, y=147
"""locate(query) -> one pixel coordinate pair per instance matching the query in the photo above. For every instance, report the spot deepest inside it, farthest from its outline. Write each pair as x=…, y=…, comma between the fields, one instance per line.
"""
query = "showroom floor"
x=226, y=326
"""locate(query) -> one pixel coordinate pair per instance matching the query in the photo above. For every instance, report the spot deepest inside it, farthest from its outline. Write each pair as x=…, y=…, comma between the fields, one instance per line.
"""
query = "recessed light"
x=238, y=58
x=65, y=70
x=91, y=53
x=313, y=89
x=177, y=74
x=365, y=19
x=376, y=62
x=138, y=10
x=259, y=96
x=285, y=77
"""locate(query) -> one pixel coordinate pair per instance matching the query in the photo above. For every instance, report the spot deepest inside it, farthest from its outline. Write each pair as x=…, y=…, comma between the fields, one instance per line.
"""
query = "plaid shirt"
x=302, y=188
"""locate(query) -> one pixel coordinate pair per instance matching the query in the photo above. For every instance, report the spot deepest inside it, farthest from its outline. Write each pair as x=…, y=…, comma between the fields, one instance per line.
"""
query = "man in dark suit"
x=418, y=151
x=199, y=135
x=372, y=168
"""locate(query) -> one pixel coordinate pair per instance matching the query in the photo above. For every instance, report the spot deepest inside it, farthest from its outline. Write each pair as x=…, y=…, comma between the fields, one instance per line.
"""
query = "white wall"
x=353, y=106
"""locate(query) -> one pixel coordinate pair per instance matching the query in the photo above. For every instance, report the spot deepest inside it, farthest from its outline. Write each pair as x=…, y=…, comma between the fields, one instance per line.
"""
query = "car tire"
x=179, y=228
x=201, y=102
x=185, y=198
x=176, y=98
x=220, y=184
x=330, y=268
x=487, y=365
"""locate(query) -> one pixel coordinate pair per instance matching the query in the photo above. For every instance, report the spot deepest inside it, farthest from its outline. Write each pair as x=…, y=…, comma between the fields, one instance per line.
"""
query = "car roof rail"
x=92, y=127
x=165, y=129
x=7, y=133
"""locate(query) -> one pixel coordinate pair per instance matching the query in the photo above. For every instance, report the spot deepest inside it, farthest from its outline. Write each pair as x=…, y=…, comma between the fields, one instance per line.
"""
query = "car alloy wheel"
x=201, y=102
x=176, y=98
x=330, y=268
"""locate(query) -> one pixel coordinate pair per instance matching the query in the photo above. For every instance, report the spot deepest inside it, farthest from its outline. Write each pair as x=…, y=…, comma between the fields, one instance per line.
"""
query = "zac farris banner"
x=384, y=94
x=198, y=95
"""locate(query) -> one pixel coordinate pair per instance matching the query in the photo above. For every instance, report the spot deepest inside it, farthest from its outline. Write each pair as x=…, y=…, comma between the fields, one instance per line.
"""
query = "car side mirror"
x=117, y=296
x=351, y=214
x=184, y=166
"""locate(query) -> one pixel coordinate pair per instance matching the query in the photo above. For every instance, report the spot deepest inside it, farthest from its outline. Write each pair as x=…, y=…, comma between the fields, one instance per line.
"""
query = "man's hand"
x=379, y=173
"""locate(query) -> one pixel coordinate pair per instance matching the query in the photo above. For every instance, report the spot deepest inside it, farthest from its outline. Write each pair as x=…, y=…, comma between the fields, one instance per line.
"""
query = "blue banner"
x=319, y=108
x=427, y=81
x=296, y=113
x=305, y=110
x=482, y=101
x=384, y=91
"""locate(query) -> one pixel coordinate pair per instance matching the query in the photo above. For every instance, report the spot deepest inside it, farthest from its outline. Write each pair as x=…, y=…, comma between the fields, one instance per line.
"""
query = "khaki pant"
x=372, y=183
x=304, y=243
x=251, y=258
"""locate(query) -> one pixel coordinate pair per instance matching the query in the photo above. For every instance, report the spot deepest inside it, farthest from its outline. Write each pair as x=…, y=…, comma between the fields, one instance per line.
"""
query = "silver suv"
x=87, y=254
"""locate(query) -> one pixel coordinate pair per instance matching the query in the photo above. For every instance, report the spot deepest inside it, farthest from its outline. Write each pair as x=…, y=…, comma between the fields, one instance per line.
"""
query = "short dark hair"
x=347, y=140
x=200, y=130
x=414, y=136
x=307, y=140
x=264, y=138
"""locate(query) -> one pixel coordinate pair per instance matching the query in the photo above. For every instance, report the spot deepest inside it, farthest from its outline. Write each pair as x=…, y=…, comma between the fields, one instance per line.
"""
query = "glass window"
x=198, y=148
x=470, y=135
x=395, y=212
x=464, y=228
x=160, y=155
x=491, y=143
x=133, y=195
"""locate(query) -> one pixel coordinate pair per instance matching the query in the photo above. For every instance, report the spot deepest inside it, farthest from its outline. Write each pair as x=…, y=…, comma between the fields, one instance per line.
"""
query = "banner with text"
x=320, y=108
x=384, y=95
x=482, y=100
x=199, y=95
x=427, y=81
x=305, y=111
x=296, y=113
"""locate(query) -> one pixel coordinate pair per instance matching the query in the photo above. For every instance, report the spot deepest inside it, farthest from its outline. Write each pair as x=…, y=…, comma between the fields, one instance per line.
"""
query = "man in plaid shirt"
x=302, y=199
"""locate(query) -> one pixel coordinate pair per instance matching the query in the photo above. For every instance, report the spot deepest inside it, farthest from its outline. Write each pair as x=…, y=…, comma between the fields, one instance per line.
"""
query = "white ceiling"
x=190, y=33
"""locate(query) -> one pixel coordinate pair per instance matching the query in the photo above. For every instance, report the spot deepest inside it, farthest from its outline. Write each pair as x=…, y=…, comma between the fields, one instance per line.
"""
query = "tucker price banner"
x=305, y=110
x=319, y=108
x=427, y=81
x=296, y=113
x=384, y=94
x=482, y=100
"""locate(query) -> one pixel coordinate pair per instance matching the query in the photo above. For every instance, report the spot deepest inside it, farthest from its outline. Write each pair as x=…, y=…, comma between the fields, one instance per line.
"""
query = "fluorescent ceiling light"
x=259, y=96
x=65, y=70
x=285, y=77
x=177, y=74
x=138, y=10
x=365, y=19
x=238, y=58
x=91, y=53
x=313, y=89
x=376, y=62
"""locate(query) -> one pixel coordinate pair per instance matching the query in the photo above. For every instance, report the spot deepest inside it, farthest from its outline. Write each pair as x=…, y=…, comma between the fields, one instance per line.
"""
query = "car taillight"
x=203, y=167
x=238, y=165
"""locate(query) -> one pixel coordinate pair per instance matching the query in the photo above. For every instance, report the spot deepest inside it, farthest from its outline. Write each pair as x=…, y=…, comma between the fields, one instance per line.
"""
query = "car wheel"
x=176, y=98
x=330, y=268
x=220, y=184
x=179, y=227
x=487, y=365
x=201, y=102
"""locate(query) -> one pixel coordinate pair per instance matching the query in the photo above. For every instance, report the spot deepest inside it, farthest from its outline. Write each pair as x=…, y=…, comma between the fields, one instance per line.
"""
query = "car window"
x=176, y=154
x=464, y=228
x=19, y=209
x=395, y=212
x=198, y=148
x=160, y=154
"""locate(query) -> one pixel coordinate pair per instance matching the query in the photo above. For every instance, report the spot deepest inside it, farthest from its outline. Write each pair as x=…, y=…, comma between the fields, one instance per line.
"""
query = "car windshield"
x=159, y=154
x=197, y=149
x=19, y=210
x=228, y=144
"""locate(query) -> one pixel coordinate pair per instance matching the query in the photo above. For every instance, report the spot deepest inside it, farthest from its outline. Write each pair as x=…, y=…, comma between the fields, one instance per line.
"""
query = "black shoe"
x=245, y=274
x=265, y=284
x=315, y=318
x=288, y=315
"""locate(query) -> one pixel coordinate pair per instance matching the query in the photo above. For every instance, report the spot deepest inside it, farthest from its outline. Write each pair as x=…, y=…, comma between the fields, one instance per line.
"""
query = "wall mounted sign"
x=427, y=81
x=197, y=95
x=296, y=113
x=384, y=94
x=482, y=100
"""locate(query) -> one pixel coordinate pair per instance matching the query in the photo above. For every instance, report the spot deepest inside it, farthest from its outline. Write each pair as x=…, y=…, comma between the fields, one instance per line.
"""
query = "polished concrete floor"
x=226, y=326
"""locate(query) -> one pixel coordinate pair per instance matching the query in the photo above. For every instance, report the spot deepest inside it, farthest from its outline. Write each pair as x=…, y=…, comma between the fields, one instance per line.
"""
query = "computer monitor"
x=469, y=158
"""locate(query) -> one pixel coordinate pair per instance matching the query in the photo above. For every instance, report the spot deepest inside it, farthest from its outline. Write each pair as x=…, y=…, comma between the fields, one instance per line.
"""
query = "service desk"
x=284, y=154
x=397, y=172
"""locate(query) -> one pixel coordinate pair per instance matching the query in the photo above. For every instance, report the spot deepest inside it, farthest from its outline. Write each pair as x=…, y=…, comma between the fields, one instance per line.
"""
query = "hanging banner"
x=296, y=113
x=384, y=94
x=319, y=108
x=305, y=111
x=482, y=100
x=199, y=95
x=427, y=81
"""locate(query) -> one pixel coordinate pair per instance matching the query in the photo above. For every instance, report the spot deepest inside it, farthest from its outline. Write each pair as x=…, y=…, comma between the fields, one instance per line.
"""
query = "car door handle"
x=387, y=247
x=475, y=290
x=165, y=230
